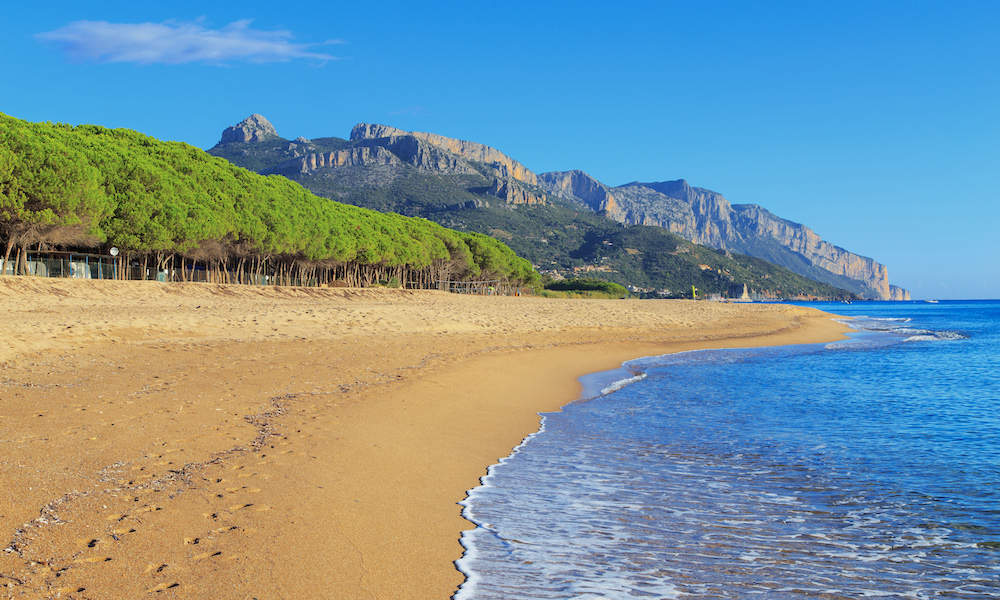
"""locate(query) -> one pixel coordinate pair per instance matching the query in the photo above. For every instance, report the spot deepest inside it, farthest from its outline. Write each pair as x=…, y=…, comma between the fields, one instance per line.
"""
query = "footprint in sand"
x=93, y=559
x=162, y=587
x=244, y=488
x=151, y=568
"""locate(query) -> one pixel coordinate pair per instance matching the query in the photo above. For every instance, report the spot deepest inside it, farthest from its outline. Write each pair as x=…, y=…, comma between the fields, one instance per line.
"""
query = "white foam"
x=599, y=540
x=921, y=335
x=614, y=387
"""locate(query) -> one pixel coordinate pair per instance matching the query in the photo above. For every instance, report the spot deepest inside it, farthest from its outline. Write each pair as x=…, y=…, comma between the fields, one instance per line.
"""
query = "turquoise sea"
x=861, y=469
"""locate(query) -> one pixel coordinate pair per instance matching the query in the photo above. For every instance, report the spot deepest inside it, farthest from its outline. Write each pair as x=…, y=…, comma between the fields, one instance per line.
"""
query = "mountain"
x=552, y=219
x=707, y=218
x=182, y=213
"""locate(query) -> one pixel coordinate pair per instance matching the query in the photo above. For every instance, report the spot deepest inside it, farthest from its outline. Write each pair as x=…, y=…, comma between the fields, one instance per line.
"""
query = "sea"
x=867, y=468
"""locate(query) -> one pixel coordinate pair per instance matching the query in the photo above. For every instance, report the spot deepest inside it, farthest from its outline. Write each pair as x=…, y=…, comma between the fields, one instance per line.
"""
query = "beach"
x=201, y=440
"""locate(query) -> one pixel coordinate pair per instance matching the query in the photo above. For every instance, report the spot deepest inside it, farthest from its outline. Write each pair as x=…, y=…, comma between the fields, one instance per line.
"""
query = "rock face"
x=505, y=166
x=390, y=150
x=512, y=191
x=754, y=223
x=376, y=154
x=707, y=218
x=580, y=187
x=352, y=157
x=380, y=145
x=898, y=293
x=254, y=128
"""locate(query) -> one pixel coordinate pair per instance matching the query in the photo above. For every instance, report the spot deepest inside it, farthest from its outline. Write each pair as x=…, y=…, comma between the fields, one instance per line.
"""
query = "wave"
x=897, y=326
x=726, y=473
x=919, y=335
x=614, y=387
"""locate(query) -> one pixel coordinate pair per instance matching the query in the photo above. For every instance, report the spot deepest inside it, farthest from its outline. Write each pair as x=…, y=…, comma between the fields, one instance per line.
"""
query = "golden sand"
x=208, y=441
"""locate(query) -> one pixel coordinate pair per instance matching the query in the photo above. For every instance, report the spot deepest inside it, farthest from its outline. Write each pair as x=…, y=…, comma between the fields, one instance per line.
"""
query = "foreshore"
x=209, y=441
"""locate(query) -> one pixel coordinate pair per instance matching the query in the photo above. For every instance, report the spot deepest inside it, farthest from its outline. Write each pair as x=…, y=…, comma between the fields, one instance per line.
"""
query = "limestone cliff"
x=505, y=166
x=513, y=191
x=381, y=146
x=707, y=218
x=898, y=293
x=351, y=157
x=752, y=221
x=579, y=187
x=376, y=156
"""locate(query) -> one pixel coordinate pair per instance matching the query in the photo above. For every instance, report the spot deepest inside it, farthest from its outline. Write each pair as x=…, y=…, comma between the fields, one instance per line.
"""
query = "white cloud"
x=174, y=42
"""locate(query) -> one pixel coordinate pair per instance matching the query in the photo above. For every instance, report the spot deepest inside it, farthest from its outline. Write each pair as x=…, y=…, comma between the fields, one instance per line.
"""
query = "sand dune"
x=209, y=441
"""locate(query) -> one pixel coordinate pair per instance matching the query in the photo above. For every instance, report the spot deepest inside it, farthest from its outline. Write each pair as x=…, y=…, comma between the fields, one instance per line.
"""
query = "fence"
x=79, y=265
x=66, y=264
x=482, y=288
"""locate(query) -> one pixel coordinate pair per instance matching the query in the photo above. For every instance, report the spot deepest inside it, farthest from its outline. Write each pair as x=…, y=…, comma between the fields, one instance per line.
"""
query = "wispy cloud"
x=175, y=42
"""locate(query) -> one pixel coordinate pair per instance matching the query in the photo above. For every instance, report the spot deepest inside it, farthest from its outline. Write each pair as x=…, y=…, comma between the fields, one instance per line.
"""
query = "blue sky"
x=877, y=124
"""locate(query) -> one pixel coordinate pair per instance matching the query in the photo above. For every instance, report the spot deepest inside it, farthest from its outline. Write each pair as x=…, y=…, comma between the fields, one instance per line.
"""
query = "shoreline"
x=282, y=442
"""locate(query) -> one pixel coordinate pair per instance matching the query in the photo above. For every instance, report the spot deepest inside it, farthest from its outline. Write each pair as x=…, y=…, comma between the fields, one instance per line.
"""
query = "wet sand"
x=209, y=441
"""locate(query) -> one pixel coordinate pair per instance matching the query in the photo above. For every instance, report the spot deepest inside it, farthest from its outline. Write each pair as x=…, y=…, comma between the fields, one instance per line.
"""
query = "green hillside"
x=176, y=208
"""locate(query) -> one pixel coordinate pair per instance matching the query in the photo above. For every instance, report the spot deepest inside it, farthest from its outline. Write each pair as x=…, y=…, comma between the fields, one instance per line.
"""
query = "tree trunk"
x=6, y=256
x=22, y=264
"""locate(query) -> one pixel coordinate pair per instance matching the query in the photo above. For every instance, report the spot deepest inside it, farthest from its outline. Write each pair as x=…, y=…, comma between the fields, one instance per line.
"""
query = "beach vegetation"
x=584, y=288
x=173, y=208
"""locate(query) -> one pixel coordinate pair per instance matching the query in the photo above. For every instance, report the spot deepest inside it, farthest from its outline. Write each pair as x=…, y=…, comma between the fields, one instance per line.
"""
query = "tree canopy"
x=88, y=186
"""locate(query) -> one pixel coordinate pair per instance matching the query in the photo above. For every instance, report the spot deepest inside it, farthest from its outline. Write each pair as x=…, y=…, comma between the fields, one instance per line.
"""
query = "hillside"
x=174, y=211
x=471, y=187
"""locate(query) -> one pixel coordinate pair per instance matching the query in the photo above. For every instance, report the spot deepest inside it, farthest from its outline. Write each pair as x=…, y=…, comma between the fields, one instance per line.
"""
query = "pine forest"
x=172, y=209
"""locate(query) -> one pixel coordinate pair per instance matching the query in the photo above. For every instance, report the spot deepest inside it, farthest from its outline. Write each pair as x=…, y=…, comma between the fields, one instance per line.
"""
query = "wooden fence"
x=483, y=288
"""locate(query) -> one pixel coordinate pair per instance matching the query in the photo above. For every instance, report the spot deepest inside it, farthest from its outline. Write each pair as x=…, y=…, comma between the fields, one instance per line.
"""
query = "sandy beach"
x=209, y=441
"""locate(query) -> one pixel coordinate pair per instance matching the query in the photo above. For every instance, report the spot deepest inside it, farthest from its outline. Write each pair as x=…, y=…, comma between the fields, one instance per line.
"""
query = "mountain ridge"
x=707, y=218
x=379, y=154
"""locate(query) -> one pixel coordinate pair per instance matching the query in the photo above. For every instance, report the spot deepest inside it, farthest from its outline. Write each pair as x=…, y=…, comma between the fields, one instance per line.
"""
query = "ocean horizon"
x=863, y=468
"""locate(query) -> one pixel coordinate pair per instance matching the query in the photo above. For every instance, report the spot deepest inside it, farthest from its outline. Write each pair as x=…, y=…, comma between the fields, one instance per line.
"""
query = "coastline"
x=286, y=443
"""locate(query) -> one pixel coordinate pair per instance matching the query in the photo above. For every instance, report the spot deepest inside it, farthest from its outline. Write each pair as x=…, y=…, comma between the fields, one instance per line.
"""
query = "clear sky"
x=877, y=124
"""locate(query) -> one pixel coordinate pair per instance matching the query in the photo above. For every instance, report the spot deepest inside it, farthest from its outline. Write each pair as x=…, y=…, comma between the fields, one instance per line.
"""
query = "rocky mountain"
x=706, y=217
x=504, y=166
x=383, y=146
x=254, y=128
x=454, y=182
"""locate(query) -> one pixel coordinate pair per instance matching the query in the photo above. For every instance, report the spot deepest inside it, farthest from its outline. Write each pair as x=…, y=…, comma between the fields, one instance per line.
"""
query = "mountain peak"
x=254, y=128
